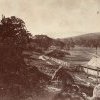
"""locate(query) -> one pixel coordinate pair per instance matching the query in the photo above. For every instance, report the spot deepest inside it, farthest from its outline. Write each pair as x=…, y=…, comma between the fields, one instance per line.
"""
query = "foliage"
x=40, y=43
x=13, y=29
x=57, y=54
x=69, y=43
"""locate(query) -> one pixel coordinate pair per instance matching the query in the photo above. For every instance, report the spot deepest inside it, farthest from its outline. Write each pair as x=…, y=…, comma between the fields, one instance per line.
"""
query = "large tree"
x=14, y=73
x=13, y=29
x=13, y=39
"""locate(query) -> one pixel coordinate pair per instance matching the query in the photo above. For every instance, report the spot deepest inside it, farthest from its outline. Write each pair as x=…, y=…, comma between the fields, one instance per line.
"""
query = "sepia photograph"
x=49, y=49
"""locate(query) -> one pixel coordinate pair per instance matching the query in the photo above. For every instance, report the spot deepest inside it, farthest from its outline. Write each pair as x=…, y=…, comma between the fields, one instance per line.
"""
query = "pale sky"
x=56, y=18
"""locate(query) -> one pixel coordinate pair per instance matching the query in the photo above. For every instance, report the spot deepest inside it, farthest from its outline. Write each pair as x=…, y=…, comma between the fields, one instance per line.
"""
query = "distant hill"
x=89, y=35
x=86, y=40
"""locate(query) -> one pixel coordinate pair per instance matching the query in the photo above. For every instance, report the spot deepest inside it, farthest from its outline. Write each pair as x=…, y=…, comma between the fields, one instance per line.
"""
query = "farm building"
x=93, y=67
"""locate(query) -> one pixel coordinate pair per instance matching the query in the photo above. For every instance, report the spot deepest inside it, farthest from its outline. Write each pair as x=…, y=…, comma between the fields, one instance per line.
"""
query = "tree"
x=13, y=37
x=15, y=75
x=14, y=29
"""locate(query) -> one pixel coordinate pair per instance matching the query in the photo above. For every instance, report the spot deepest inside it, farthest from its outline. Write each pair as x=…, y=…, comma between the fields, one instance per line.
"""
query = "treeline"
x=43, y=42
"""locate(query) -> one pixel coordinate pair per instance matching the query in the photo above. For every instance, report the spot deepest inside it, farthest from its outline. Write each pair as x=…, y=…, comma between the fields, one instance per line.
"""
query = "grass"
x=81, y=55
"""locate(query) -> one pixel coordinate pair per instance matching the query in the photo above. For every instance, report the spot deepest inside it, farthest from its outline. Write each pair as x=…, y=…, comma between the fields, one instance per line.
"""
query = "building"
x=93, y=67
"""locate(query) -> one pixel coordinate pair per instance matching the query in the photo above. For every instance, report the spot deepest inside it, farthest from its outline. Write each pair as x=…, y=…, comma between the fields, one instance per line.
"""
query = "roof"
x=94, y=63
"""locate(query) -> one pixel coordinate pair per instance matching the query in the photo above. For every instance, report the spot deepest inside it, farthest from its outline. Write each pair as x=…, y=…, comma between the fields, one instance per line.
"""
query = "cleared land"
x=79, y=55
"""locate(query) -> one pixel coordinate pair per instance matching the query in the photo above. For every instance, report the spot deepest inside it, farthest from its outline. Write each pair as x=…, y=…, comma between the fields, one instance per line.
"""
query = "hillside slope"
x=86, y=40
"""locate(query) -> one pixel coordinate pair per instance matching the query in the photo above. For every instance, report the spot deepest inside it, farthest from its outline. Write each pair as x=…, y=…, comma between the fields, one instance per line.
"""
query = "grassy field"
x=81, y=55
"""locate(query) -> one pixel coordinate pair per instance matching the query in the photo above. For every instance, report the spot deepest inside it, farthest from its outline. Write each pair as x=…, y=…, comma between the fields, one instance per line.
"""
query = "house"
x=93, y=66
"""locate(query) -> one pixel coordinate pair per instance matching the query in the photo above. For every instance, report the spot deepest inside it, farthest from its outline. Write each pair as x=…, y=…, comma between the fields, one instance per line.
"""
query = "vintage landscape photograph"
x=50, y=50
